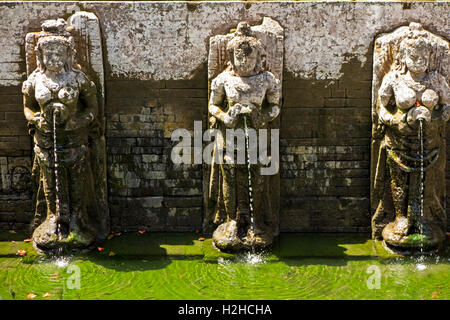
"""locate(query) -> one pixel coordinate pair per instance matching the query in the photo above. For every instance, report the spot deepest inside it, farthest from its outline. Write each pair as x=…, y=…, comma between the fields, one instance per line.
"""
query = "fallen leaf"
x=201, y=239
x=21, y=252
x=31, y=296
x=435, y=295
x=111, y=254
x=12, y=231
x=141, y=231
x=110, y=237
x=27, y=240
x=46, y=295
x=54, y=278
x=100, y=249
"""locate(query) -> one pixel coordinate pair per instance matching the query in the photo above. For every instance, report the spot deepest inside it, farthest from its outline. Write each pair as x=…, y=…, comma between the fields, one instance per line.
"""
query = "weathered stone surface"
x=411, y=105
x=240, y=201
x=64, y=110
x=171, y=44
x=326, y=97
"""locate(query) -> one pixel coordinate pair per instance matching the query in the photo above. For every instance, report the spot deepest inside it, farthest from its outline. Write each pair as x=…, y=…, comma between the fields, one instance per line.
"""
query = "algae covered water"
x=266, y=277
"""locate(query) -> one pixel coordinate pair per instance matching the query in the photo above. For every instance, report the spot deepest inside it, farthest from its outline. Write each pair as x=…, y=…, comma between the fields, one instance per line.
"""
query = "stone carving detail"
x=410, y=108
x=64, y=106
x=245, y=73
x=15, y=175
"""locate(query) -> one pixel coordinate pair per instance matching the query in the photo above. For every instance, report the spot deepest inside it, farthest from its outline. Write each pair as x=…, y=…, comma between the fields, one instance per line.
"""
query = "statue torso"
x=251, y=89
x=401, y=137
x=65, y=90
x=407, y=92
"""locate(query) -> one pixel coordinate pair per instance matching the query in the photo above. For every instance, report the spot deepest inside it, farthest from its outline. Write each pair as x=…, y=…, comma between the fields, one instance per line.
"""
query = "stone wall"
x=156, y=81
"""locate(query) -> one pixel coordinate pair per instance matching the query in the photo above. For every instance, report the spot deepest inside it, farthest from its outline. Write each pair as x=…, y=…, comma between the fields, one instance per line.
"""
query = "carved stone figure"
x=243, y=204
x=64, y=109
x=411, y=105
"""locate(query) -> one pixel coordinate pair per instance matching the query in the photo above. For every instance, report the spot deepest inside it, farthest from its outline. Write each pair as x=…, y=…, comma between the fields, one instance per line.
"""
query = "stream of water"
x=420, y=265
x=57, y=200
x=250, y=190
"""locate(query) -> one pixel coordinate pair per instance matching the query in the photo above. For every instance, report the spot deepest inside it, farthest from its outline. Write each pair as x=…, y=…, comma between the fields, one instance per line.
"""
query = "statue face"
x=417, y=60
x=245, y=59
x=54, y=56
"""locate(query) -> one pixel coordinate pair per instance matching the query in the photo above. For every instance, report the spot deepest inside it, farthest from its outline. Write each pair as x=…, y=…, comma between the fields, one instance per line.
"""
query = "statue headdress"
x=244, y=39
x=417, y=40
x=55, y=31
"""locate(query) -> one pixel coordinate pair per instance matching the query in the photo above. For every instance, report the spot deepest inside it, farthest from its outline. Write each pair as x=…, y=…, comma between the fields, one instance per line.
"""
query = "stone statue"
x=64, y=114
x=240, y=200
x=411, y=99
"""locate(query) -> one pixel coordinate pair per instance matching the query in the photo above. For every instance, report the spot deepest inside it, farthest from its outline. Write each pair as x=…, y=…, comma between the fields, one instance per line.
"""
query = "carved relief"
x=244, y=70
x=15, y=175
x=64, y=107
x=411, y=98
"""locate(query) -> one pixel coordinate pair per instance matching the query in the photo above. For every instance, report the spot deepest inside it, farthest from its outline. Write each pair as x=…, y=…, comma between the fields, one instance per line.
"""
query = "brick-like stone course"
x=146, y=190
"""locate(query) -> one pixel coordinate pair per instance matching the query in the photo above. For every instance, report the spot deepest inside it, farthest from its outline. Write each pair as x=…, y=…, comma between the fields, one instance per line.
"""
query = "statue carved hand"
x=416, y=114
x=37, y=118
x=248, y=108
x=258, y=119
x=275, y=112
x=446, y=113
x=231, y=115
x=387, y=120
x=40, y=123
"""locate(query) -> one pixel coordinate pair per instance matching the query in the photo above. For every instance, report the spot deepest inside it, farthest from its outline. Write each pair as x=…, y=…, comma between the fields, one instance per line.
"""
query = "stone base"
x=46, y=237
x=399, y=240
x=226, y=238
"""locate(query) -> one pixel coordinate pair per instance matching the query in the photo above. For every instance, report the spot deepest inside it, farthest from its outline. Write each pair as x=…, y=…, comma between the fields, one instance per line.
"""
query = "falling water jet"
x=55, y=153
x=421, y=181
x=250, y=196
x=421, y=266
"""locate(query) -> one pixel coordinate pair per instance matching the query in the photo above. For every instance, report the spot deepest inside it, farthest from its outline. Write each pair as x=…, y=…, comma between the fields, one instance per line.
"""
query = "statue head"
x=415, y=49
x=244, y=51
x=55, y=48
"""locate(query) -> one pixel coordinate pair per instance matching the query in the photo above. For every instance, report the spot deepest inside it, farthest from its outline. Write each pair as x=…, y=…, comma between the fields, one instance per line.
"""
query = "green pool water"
x=345, y=268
